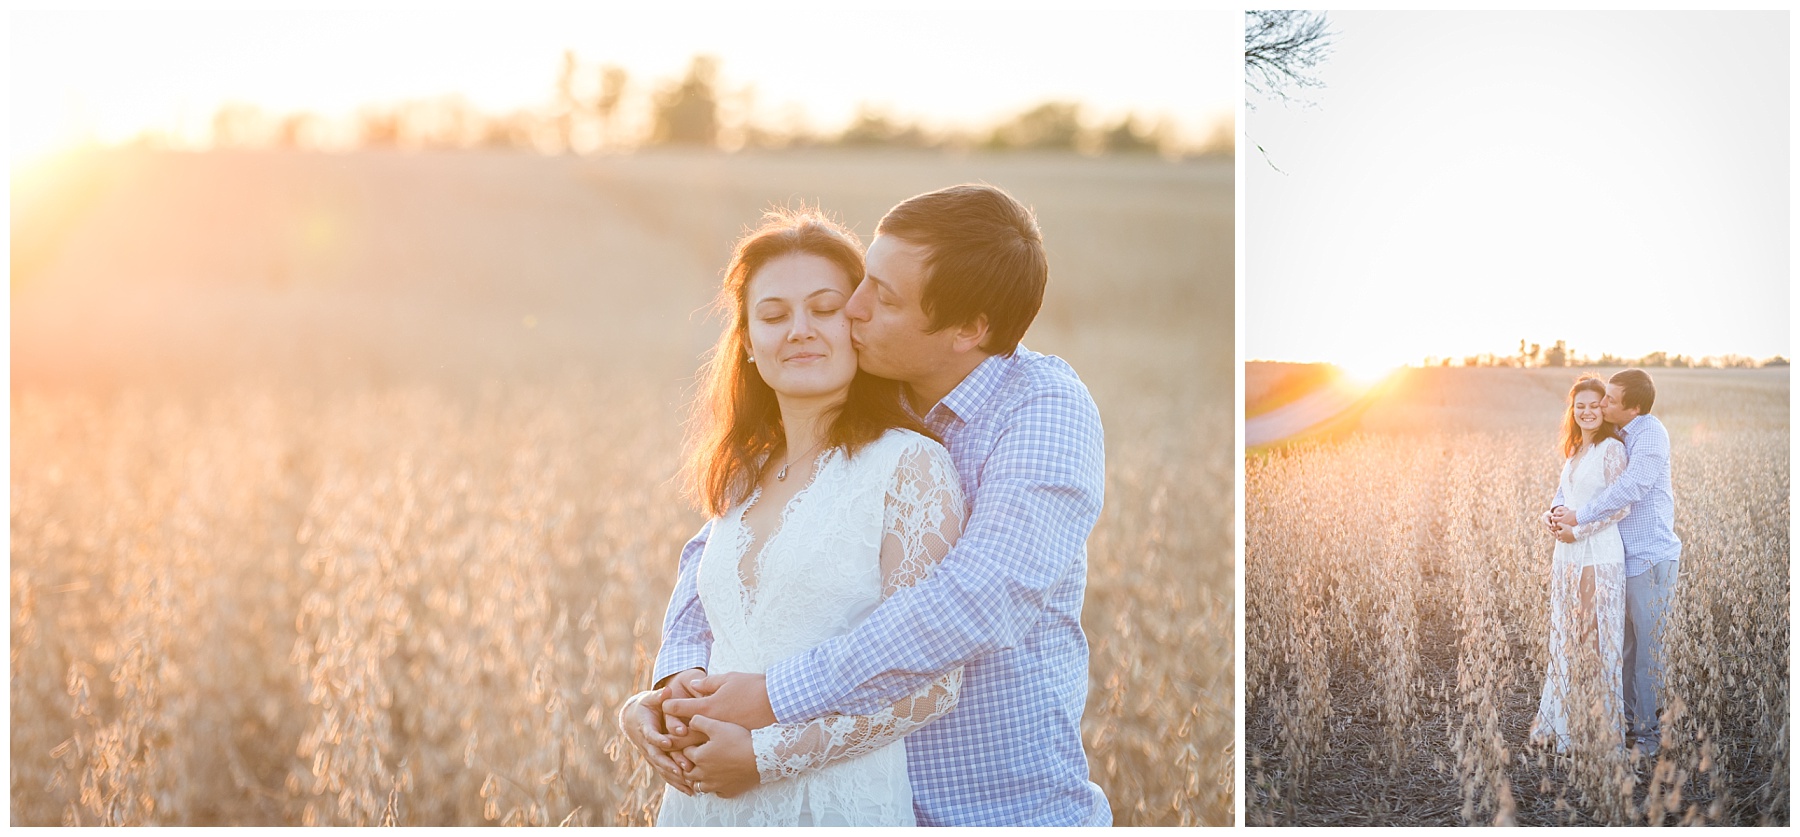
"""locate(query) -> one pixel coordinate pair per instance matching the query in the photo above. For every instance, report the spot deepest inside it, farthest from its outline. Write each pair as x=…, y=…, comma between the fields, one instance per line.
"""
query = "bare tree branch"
x=1281, y=48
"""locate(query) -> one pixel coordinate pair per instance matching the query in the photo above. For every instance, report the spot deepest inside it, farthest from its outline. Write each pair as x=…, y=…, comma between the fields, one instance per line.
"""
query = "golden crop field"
x=1396, y=610
x=341, y=483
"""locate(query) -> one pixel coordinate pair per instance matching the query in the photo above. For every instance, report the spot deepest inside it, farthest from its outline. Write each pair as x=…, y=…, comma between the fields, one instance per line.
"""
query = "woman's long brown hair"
x=1571, y=432
x=735, y=421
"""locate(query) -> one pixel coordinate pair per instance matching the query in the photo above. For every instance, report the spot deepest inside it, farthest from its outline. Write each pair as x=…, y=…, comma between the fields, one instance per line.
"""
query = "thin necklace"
x=1581, y=452
x=781, y=475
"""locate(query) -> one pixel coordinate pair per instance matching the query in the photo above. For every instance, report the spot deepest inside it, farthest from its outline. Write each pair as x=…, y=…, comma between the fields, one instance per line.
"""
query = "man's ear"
x=970, y=335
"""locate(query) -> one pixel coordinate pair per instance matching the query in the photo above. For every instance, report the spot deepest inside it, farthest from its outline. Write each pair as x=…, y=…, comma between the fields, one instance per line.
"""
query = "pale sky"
x=111, y=74
x=1464, y=180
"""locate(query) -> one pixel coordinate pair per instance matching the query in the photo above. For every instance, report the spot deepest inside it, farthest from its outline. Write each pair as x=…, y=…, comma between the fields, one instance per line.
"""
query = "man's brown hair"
x=985, y=256
x=1636, y=390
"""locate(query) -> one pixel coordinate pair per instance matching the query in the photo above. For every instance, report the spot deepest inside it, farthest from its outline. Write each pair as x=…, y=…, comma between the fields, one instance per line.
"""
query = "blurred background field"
x=1397, y=605
x=341, y=482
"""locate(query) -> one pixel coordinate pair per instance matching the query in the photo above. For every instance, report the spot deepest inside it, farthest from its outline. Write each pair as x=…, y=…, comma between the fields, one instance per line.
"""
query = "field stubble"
x=1397, y=613
x=340, y=488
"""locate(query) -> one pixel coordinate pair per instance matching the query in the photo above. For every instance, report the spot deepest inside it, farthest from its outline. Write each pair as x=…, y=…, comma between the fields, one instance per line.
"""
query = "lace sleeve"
x=1613, y=463
x=923, y=519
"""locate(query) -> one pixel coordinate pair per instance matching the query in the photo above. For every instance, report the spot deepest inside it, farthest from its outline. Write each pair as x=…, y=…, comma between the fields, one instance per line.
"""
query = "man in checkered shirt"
x=953, y=279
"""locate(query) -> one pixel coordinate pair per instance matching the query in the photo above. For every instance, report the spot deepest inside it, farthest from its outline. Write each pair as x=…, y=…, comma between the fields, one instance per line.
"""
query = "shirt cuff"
x=789, y=695
x=674, y=660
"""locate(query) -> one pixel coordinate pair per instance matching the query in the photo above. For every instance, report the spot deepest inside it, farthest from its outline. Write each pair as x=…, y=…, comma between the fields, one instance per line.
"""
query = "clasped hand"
x=1560, y=520
x=681, y=734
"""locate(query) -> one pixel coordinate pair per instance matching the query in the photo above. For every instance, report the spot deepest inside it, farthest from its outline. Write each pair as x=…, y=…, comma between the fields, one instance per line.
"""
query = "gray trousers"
x=1647, y=598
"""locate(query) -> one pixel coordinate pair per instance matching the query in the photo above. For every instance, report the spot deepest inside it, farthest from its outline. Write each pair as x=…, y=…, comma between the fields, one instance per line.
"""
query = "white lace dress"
x=1583, y=689
x=866, y=526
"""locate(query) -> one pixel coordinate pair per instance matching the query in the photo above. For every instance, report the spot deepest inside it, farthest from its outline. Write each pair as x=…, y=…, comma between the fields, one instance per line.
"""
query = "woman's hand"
x=681, y=736
x=640, y=719
x=726, y=764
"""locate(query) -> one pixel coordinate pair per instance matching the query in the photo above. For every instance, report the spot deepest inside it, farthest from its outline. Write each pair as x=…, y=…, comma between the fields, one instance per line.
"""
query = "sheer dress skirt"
x=1583, y=694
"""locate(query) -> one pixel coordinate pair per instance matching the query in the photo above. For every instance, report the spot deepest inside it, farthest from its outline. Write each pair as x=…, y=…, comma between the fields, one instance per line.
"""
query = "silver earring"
x=750, y=359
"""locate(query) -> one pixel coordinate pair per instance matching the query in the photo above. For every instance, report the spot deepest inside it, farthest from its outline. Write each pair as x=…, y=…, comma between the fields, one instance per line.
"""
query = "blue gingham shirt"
x=1649, y=529
x=1005, y=603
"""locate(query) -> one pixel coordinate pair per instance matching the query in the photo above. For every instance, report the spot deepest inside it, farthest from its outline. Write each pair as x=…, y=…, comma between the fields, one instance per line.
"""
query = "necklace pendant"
x=781, y=475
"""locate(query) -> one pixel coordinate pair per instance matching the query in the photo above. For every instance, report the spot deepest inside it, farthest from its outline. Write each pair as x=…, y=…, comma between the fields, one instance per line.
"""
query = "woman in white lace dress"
x=826, y=497
x=1582, y=699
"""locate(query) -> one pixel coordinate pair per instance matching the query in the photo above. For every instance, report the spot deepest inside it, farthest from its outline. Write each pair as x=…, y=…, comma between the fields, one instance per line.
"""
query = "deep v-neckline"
x=1577, y=488
x=1580, y=459
x=747, y=586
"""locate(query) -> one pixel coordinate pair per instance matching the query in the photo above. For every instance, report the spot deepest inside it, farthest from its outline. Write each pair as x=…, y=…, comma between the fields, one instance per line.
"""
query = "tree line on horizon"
x=1558, y=354
x=601, y=108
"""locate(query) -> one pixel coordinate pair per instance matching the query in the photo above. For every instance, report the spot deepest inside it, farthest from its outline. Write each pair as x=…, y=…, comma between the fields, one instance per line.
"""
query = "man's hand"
x=641, y=721
x=726, y=764
x=1564, y=516
x=733, y=697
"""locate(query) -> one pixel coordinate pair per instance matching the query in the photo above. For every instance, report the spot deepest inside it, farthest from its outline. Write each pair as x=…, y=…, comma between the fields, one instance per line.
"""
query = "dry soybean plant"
x=393, y=608
x=409, y=607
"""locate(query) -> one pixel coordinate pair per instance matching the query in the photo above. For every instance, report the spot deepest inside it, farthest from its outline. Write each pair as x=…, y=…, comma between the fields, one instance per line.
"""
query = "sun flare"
x=1366, y=372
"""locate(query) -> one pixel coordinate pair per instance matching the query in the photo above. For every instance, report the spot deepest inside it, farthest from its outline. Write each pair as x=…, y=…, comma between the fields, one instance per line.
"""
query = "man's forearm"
x=976, y=603
x=1631, y=486
x=677, y=656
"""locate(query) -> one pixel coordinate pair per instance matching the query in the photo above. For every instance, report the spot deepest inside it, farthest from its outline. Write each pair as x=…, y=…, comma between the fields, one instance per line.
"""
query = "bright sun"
x=1366, y=371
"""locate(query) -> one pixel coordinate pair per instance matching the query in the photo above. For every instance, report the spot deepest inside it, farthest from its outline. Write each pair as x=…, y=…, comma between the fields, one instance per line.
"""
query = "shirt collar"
x=1626, y=430
x=967, y=398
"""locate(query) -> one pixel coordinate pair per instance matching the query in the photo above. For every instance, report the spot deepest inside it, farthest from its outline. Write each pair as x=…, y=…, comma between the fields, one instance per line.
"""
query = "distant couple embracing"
x=1614, y=569
x=881, y=623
